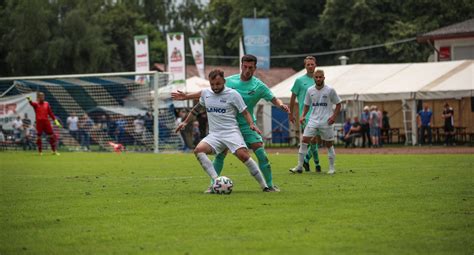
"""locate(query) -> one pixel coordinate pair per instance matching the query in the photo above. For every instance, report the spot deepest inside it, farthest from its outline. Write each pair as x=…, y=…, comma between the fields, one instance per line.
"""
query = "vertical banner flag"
x=197, y=48
x=176, y=59
x=257, y=40
x=142, y=60
x=13, y=106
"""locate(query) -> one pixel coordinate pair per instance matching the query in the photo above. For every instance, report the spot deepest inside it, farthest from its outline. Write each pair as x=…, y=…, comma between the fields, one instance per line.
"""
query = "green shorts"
x=250, y=136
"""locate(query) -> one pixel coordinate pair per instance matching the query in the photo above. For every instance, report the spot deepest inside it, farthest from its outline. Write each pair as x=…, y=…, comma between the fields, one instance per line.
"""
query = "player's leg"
x=327, y=134
x=314, y=150
x=255, y=142
x=308, y=134
x=201, y=151
x=48, y=129
x=219, y=161
x=218, y=164
x=39, y=134
x=308, y=156
x=263, y=163
x=243, y=155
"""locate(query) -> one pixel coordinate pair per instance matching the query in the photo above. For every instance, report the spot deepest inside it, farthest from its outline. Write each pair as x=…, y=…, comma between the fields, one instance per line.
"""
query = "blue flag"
x=257, y=40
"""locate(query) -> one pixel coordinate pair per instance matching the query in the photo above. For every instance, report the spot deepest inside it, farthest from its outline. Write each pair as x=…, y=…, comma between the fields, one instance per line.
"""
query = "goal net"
x=97, y=110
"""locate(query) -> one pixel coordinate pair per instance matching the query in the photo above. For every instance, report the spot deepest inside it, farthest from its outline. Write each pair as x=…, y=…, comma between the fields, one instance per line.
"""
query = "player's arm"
x=305, y=111
x=336, y=112
x=185, y=122
x=180, y=95
x=278, y=103
x=51, y=114
x=31, y=101
x=292, y=107
x=249, y=120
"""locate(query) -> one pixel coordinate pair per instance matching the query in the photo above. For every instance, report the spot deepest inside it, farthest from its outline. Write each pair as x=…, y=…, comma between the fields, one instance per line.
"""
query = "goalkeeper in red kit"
x=43, y=110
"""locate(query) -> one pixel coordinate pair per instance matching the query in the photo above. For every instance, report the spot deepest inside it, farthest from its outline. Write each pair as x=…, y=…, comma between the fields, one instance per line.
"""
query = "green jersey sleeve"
x=265, y=92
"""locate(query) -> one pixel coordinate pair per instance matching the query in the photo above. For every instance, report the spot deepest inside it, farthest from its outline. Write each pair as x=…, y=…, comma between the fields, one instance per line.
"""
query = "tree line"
x=40, y=37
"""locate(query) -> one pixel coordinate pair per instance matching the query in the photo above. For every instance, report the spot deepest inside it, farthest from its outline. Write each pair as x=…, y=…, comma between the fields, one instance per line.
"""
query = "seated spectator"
x=346, y=129
x=354, y=132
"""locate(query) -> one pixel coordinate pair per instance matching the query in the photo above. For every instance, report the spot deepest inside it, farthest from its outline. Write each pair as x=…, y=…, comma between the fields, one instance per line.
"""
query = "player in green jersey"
x=252, y=90
x=298, y=91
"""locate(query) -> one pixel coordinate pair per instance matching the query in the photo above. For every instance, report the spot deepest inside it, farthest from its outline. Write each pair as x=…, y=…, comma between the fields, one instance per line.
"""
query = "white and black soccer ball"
x=223, y=185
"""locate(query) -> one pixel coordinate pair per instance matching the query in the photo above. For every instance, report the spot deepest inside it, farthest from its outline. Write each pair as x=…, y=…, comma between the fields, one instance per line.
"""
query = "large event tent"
x=407, y=82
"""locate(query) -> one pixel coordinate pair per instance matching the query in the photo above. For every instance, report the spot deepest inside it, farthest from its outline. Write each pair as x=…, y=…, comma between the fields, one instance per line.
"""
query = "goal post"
x=125, y=108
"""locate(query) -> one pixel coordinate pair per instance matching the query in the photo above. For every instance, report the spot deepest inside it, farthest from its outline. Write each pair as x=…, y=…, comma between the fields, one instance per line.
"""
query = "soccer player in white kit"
x=322, y=98
x=222, y=105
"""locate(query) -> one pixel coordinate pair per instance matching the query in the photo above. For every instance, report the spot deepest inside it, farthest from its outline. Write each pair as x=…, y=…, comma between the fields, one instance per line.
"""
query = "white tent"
x=384, y=82
x=193, y=84
x=389, y=82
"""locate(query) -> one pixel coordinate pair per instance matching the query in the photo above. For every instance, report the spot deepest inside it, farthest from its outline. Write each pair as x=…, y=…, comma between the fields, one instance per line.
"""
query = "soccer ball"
x=222, y=185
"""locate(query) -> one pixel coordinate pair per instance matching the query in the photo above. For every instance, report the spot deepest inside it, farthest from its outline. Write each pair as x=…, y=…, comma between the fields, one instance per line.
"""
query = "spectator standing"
x=120, y=130
x=86, y=124
x=385, y=125
x=374, y=126
x=425, y=118
x=448, y=116
x=26, y=120
x=72, y=124
x=139, y=129
x=148, y=121
x=364, y=121
x=17, y=127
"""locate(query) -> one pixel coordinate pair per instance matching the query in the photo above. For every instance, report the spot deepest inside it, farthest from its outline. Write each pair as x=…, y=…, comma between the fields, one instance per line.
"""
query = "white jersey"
x=322, y=102
x=72, y=122
x=222, y=109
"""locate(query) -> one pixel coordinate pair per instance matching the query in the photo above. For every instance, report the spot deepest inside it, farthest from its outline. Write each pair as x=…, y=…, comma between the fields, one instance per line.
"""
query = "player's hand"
x=28, y=98
x=180, y=127
x=285, y=108
x=331, y=120
x=292, y=118
x=302, y=120
x=255, y=128
x=178, y=95
x=56, y=122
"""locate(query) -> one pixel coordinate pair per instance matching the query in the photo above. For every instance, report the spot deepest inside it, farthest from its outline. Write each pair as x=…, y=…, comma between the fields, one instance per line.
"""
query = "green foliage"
x=68, y=36
x=104, y=203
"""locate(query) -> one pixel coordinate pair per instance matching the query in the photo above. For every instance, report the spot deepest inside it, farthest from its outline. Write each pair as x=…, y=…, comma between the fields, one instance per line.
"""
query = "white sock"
x=206, y=164
x=301, y=154
x=331, y=157
x=255, y=172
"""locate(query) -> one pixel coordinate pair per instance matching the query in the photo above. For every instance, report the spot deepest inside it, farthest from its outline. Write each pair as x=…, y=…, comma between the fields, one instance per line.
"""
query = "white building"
x=454, y=42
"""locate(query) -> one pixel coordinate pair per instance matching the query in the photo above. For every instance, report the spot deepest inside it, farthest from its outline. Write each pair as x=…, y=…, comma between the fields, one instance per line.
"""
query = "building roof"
x=458, y=30
x=271, y=77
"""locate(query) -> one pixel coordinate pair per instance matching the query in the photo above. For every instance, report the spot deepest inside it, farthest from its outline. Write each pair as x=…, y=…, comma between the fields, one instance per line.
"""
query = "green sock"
x=308, y=154
x=314, y=151
x=218, y=164
x=264, y=165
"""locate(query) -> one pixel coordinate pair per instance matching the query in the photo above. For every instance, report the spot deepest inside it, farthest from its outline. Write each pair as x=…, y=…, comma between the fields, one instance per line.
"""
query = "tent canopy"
x=384, y=82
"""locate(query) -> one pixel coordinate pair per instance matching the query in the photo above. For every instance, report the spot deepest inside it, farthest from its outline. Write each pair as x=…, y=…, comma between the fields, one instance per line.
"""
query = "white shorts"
x=233, y=141
x=326, y=133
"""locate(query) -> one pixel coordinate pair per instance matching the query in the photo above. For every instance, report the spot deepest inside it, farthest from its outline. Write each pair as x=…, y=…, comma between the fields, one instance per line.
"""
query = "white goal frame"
x=155, y=75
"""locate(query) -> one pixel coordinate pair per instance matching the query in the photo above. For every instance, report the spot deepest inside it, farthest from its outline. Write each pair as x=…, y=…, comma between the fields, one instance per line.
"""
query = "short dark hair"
x=216, y=72
x=309, y=58
x=249, y=58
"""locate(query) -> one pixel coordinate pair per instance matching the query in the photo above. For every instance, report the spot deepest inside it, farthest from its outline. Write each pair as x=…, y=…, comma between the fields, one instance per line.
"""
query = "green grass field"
x=91, y=203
